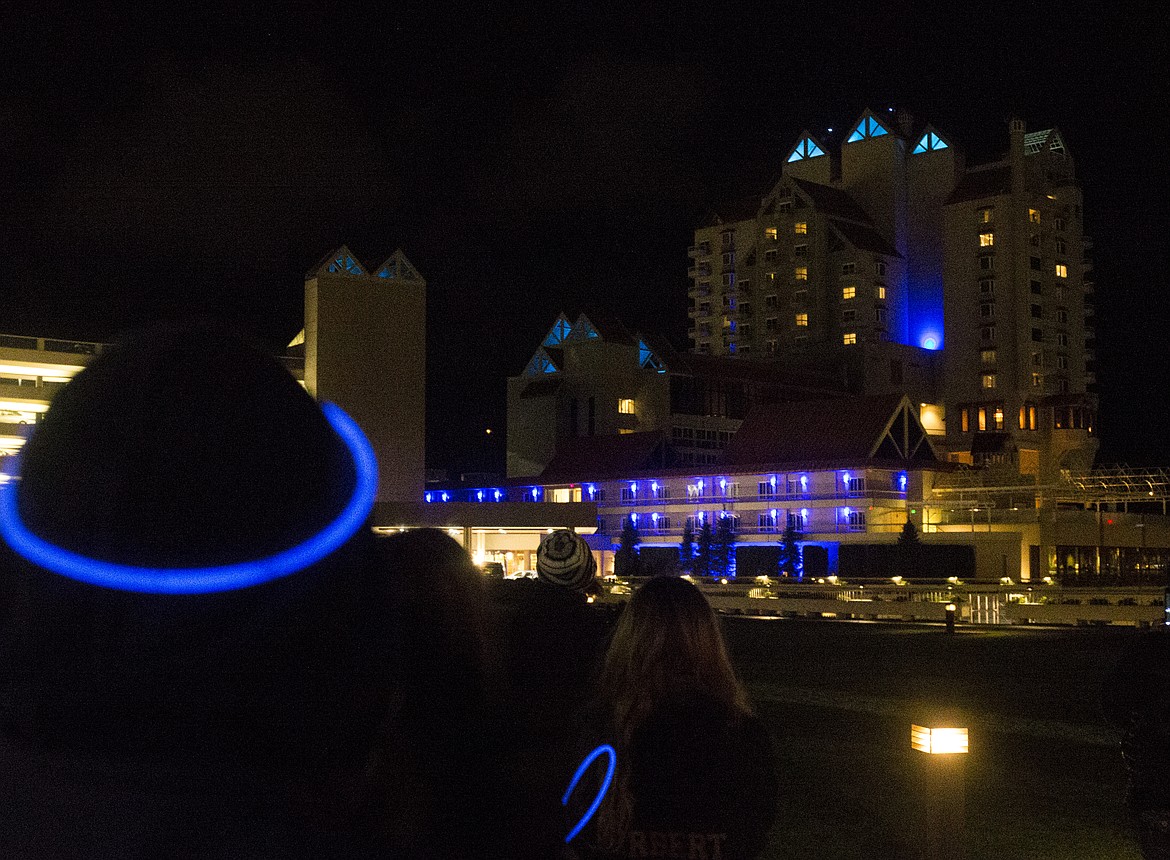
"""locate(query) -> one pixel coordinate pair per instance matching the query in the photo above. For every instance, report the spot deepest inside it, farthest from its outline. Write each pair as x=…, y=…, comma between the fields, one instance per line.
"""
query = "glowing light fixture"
x=446, y=497
x=206, y=580
x=940, y=741
x=930, y=340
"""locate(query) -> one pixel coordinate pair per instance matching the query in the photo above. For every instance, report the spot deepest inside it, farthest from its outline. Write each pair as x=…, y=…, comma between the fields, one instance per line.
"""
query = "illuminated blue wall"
x=925, y=310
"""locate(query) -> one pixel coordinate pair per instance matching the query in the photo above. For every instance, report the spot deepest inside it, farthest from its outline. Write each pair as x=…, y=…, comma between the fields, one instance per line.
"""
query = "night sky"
x=156, y=164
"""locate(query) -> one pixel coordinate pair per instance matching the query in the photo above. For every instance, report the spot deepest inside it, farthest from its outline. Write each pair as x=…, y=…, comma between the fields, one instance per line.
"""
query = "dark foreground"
x=1044, y=778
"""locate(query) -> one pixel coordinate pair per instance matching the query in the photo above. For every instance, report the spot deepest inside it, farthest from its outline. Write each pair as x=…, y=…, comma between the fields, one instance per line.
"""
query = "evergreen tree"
x=703, y=556
x=625, y=563
x=686, y=550
x=722, y=547
x=790, y=562
x=909, y=553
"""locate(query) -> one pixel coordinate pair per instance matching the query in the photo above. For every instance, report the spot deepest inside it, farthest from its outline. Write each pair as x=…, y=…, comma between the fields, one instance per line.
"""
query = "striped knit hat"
x=565, y=560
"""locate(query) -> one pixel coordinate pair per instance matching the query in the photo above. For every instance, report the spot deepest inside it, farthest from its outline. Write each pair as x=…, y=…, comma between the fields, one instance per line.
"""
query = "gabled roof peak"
x=868, y=126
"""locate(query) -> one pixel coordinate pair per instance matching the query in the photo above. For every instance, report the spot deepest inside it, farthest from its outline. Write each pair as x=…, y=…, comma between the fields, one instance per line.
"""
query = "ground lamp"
x=940, y=769
x=951, y=625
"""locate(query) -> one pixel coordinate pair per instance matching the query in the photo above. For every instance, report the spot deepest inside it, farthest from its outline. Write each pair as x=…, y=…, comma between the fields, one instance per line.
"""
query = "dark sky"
x=164, y=163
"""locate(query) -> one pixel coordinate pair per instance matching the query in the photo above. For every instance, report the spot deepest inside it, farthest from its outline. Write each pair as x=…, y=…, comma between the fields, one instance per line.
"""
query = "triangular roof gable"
x=930, y=141
x=1036, y=141
x=867, y=126
x=842, y=430
x=340, y=262
x=904, y=437
x=397, y=266
x=584, y=329
x=559, y=332
x=540, y=364
x=807, y=147
x=647, y=358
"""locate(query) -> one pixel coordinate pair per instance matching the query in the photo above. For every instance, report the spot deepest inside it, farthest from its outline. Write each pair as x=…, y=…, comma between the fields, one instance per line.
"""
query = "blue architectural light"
x=429, y=497
x=206, y=580
x=804, y=482
x=902, y=479
x=773, y=513
x=634, y=518
x=654, y=487
x=446, y=497
x=496, y=495
x=634, y=488
x=772, y=481
x=592, y=491
x=845, y=477
x=479, y=495
x=930, y=340
x=655, y=518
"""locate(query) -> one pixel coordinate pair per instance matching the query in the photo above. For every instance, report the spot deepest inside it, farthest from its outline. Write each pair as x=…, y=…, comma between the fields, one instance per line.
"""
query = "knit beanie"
x=565, y=560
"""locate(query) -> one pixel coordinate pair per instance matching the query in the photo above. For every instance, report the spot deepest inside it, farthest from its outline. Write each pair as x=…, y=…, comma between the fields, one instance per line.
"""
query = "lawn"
x=1043, y=778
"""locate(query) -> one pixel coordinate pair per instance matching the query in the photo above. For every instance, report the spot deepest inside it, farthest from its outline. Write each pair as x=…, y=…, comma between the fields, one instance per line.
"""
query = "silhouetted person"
x=695, y=775
x=438, y=768
x=194, y=661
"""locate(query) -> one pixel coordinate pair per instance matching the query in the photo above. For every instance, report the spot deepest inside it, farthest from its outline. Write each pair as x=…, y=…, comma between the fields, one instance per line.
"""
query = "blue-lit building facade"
x=882, y=256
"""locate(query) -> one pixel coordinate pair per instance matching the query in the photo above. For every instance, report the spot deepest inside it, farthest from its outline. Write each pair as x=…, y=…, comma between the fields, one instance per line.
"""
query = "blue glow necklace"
x=206, y=580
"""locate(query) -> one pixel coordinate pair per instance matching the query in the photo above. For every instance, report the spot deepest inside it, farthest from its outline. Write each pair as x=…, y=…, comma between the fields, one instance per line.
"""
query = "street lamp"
x=945, y=750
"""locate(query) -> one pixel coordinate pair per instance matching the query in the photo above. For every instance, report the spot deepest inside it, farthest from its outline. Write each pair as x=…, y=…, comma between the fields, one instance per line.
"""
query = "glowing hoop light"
x=206, y=580
x=605, y=749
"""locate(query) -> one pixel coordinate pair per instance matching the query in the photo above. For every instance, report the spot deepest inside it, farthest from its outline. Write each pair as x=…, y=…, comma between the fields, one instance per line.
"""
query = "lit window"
x=800, y=273
x=1034, y=216
x=626, y=406
x=848, y=293
x=802, y=319
x=1023, y=418
x=1061, y=270
x=987, y=356
x=982, y=418
x=965, y=420
x=848, y=268
x=999, y=418
x=849, y=338
x=985, y=216
x=1031, y=417
x=771, y=276
x=800, y=228
x=881, y=292
x=1037, y=379
x=986, y=240
x=770, y=233
x=989, y=380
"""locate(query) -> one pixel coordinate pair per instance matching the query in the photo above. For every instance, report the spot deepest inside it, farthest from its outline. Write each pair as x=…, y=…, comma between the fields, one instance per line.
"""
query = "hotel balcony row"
x=808, y=486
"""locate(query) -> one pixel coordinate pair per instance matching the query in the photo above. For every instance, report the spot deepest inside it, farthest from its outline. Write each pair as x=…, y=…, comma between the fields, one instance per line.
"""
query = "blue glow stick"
x=205, y=580
x=589, y=759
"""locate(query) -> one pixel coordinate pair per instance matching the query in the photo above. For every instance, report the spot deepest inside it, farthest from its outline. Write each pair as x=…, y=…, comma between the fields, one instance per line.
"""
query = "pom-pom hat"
x=565, y=560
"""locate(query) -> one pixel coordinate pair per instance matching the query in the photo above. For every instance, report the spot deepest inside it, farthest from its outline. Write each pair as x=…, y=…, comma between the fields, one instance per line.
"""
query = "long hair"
x=667, y=643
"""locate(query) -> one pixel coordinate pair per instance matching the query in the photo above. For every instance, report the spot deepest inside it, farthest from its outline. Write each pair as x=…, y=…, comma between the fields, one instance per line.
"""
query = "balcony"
x=702, y=270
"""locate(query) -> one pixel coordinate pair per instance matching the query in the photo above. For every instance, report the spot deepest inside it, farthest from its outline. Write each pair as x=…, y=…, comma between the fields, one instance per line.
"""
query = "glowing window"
x=800, y=228
x=868, y=127
x=881, y=292
x=987, y=356
x=1037, y=379
x=1023, y=418
x=1034, y=216
x=1061, y=270
x=771, y=276
x=982, y=418
x=849, y=338
x=800, y=273
x=770, y=233
x=985, y=216
x=986, y=240
x=802, y=319
x=1031, y=417
x=626, y=406
x=965, y=420
x=848, y=293
x=805, y=149
x=989, y=380
x=999, y=418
